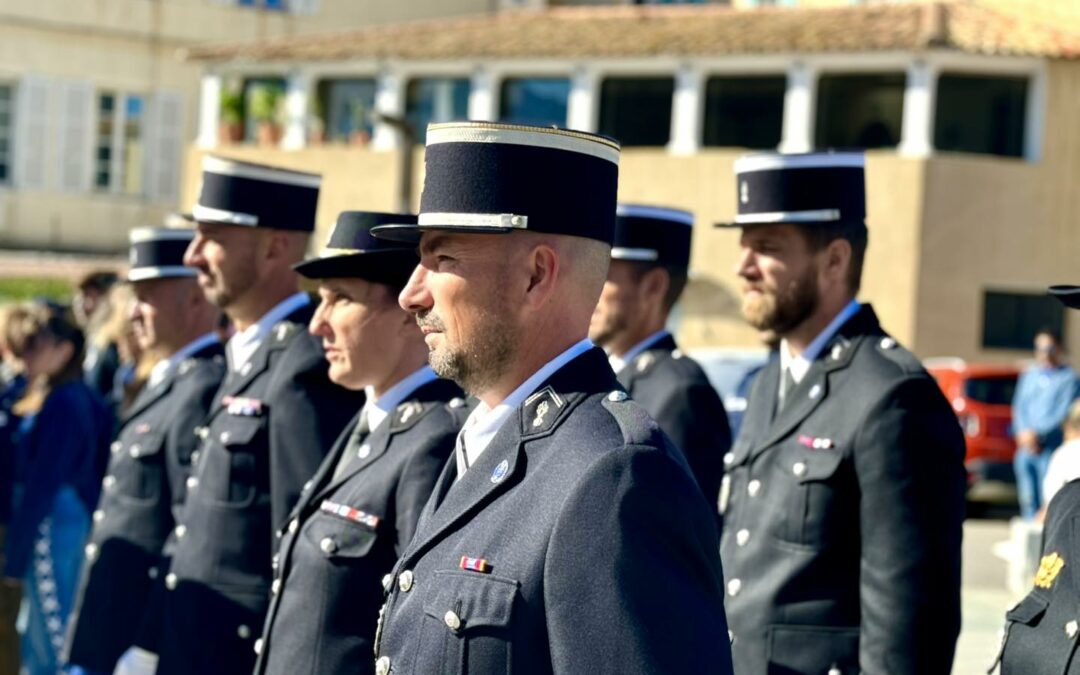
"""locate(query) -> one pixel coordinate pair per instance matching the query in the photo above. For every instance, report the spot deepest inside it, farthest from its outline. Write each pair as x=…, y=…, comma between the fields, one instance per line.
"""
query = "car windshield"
x=992, y=390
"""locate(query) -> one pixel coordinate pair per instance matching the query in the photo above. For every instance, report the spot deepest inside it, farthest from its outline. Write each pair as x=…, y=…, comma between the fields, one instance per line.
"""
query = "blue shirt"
x=1042, y=399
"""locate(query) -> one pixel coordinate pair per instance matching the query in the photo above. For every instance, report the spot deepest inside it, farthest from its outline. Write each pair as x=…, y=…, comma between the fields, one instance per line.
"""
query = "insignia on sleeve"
x=1049, y=568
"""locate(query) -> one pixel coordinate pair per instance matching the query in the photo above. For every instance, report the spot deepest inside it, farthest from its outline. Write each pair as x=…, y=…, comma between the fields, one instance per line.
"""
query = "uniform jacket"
x=141, y=497
x=350, y=530
x=268, y=430
x=577, y=542
x=1041, y=631
x=674, y=390
x=843, y=514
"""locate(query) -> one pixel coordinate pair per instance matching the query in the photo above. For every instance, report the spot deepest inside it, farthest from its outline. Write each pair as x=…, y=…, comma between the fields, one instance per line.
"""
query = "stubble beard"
x=782, y=312
x=476, y=366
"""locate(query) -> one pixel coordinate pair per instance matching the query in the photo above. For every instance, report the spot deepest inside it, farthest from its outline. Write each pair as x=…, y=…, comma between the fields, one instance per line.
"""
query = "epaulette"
x=541, y=412
x=186, y=365
x=408, y=414
x=643, y=362
x=283, y=330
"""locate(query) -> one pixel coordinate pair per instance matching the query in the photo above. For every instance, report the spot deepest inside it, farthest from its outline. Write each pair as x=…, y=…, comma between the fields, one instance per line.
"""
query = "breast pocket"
x=467, y=624
x=340, y=539
x=1020, y=648
x=141, y=469
x=229, y=475
x=816, y=508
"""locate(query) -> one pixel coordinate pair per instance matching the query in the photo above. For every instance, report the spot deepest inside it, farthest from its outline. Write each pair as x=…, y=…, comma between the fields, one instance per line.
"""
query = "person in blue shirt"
x=1043, y=395
x=60, y=455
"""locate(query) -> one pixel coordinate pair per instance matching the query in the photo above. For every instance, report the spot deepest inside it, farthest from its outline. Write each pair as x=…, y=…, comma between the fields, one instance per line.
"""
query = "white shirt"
x=1064, y=466
x=165, y=367
x=800, y=364
x=484, y=422
x=619, y=362
x=245, y=343
x=379, y=409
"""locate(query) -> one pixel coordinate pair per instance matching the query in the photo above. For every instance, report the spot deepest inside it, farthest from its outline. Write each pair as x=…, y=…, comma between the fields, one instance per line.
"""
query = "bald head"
x=497, y=307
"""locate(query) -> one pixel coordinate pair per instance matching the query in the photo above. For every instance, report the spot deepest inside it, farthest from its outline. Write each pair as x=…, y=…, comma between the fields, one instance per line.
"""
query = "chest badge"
x=474, y=564
x=816, y=443
x=349, y=513
x=499, y=474
x=541, y=411
x=1049, y=568
x=243, y=407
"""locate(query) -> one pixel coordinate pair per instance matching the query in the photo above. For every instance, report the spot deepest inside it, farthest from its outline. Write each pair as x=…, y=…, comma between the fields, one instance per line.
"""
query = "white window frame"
x=9, y=130
x=116, y=163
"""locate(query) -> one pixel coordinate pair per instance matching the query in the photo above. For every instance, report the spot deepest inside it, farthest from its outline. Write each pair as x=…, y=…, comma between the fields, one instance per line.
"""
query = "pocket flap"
x=339, y=538
x=146, y=444
x=477, y=599
x=820, y=465
x=238, y=431
x=1028, y=610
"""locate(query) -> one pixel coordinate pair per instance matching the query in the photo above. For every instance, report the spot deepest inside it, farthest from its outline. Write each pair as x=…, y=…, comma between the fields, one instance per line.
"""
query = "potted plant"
x=264, y=106
x=231, y=123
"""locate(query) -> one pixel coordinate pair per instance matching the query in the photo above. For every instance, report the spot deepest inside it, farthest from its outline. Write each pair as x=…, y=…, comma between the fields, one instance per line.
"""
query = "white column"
x=209, y=111
x=584, y=101
x=800, y=102
x=483, y=96
x=298, y=92
x=920, y=102
x=389, y=101
x=687, y=111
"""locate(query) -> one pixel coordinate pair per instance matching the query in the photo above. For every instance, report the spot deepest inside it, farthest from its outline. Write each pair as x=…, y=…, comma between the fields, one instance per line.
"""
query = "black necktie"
x=352, y=446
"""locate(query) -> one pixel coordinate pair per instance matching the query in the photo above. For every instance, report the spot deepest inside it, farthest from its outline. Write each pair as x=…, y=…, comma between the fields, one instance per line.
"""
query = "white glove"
x=136, y=661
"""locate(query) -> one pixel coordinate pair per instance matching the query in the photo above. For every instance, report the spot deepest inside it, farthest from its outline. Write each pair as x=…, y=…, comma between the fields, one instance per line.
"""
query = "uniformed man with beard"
x=650, y=258
x=844, y=494
x=274, y=418
x=1042, y=630
x=359, y=512
x=568, y=535
x=151, y=457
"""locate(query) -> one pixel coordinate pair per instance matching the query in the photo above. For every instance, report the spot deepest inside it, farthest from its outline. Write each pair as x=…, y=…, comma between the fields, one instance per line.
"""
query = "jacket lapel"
x=377, y=441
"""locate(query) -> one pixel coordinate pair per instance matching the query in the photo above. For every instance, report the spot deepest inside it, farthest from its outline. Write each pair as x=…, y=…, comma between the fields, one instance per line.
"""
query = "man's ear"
x=544, y=270
x=837, y=260
x=654, y=284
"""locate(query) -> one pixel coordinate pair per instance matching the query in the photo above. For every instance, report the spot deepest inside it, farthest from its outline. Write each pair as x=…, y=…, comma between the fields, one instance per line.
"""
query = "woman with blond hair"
x=60, y=456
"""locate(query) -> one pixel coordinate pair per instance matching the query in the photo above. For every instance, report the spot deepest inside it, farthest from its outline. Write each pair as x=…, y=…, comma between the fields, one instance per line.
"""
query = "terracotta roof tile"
x=634, y=31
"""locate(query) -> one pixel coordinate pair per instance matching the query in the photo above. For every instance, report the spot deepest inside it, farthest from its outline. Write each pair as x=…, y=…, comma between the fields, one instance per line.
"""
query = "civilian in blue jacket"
x=59, y=457
x=1042, y=399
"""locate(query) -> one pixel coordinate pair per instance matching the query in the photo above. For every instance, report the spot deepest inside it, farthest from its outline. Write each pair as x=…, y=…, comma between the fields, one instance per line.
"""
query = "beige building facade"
x=96, y=109
x=968, y=114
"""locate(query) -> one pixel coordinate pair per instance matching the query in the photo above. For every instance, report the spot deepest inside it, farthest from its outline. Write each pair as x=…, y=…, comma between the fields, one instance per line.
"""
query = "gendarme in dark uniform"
x=1042, y=631
x=671, y=387
x=272, y=422
x=359, y=512
x=145, y=484
x=843, y=503
x=568, y=535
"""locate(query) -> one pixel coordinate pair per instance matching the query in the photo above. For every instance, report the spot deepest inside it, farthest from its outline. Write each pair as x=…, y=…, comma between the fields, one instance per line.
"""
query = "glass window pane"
x=745, y=112
x=433, y=100
x=860, y=111
x=104, y=140
x=1010, y=320
x=345, y=109
x=535, y=100
x=637, y=110
x=984, y=114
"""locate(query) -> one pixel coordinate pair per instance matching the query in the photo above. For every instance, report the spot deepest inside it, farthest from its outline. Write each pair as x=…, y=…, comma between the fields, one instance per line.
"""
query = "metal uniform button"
x=152, y=573
x=307, y=485
x=170, y=581
x=194, y=457
x=224, y=437
x=387, y=580
x=116, y=447
x=753, y=487
x=888, y=343
x=192, y=482
x=405, y=581
x=99, y=516
x=328, y=545
x=798, y=469
x=835, y=671
x=91, y=552
x=275, y=587
x=453, y=621
x=733, y=587
x=135, y=450
x=741, y=537
x=729, y=458
x=382, y=666
x=108, y=482
x=617, y=396
x=181, y=530
x=258, y=647
x=1071, y=629
x=363, y=451
x=294, y=525
x=243, y=632
x=275, y=560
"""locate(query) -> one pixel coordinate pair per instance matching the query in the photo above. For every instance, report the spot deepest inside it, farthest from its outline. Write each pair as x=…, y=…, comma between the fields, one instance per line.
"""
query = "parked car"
x=727, y=370
x=982, y=394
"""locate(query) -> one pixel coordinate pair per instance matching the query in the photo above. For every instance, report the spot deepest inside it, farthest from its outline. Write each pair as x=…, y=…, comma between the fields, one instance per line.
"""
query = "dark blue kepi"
x=256, y=195
x=352, y=252
x=1068, y=295
x=805, y=189
x=653, y=234
x=487, y=177
x=158, y=253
